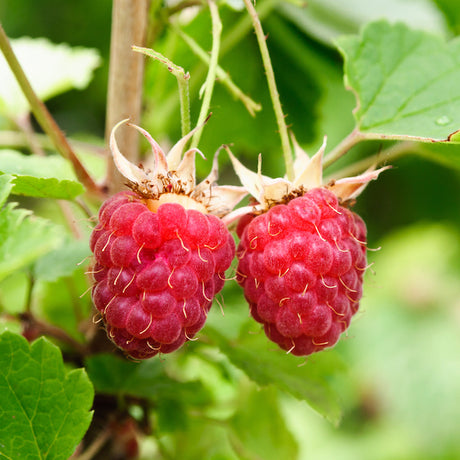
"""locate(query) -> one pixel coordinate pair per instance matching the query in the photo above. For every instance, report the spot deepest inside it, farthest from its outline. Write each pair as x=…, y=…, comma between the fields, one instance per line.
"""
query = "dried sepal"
x=309, y=175
x=175, y=173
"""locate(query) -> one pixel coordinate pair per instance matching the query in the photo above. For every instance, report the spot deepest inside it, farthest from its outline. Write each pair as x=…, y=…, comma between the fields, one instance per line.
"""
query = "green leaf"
x=5, y=187
x=42, y=177
x=405, y=82
x=47, y=188
x=147, y=379
x=52, y=166
x=44, y=409
x=51, y=69
x=254, y=355
x=260, y=427
x=24, y=238
x=62, y=261
x=326, y=20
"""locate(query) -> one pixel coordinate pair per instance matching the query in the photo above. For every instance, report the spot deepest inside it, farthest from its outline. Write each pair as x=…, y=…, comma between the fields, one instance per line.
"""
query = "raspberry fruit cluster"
x=301, y=266
x=156, y=272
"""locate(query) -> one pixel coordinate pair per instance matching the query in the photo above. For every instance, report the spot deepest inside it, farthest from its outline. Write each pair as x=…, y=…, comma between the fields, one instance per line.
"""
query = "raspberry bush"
x=151, y=308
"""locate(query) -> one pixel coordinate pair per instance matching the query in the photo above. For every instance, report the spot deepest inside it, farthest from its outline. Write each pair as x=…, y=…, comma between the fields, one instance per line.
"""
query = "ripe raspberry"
x=301, y=265
x=160, y=256
x=302, y=255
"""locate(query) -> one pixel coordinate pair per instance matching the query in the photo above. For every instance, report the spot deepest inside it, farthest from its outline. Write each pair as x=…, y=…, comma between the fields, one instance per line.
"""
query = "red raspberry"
x=157, y=272
x=301, y=265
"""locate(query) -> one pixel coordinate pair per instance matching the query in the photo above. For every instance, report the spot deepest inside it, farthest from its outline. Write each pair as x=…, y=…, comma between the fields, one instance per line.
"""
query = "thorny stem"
x=280, y=120
x=211, y=77
x=251, y=106
x=44, y=118
x=182, y=81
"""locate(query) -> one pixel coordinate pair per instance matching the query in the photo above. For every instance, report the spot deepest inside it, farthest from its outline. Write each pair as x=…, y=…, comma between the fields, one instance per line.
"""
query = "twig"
x=251, y=106
x=182, y=81
x=211, y=78
x=345, y=145
x=44, y=118
x=96, y=445
x=126, y=72
x=42, y=328
x=282, y=127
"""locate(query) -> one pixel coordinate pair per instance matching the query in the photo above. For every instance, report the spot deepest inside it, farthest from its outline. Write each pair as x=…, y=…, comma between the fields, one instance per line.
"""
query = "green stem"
x=211, y=77
x=251, y=106
x=386, y=156
x=44, y=118
x=280, y=119
x=182, y=81
x=343, y=147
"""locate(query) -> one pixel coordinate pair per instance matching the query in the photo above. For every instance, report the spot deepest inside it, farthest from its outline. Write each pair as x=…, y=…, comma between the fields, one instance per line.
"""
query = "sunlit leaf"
x=63, y=261
x=24, y=238
x=44, y=409
x=405, y=82
x=6, y=184
x=326, y=20
x=259, y=426
x=51, y=69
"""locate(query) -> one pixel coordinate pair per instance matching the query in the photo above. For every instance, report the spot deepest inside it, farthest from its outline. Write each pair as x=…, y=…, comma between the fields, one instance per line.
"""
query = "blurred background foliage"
x=400, y=387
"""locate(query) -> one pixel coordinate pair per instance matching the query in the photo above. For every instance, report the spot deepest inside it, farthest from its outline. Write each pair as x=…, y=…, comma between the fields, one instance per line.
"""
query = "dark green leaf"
x=265, y=365
x=147, y=379
x=405, y=81
x=44, y=409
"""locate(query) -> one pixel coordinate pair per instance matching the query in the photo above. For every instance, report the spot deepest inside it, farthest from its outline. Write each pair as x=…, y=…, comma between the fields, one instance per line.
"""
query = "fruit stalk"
x=211, y=77
x=280, y=119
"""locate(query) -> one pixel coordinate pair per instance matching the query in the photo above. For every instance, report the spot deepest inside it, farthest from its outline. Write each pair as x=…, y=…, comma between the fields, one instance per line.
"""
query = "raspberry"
x=161, y=250
x=155, y=274
x=301, y=265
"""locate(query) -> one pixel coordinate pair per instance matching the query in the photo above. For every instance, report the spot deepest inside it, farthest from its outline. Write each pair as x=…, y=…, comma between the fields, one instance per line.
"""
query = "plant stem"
x=126, y=72
x=345, y=145
x=384, y=157
x=43, y=328
x=280, y=119
x=211, y=77
x=251, y=106
x=44, y=118
x=182, y=81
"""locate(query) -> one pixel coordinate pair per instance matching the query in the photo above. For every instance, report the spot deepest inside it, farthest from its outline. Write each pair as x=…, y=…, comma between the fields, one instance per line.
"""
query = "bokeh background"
x=401, y=385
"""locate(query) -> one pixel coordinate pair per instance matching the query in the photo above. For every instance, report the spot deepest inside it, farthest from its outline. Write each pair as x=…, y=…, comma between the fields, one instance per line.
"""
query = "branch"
x=44, y=118
x=126, y=73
